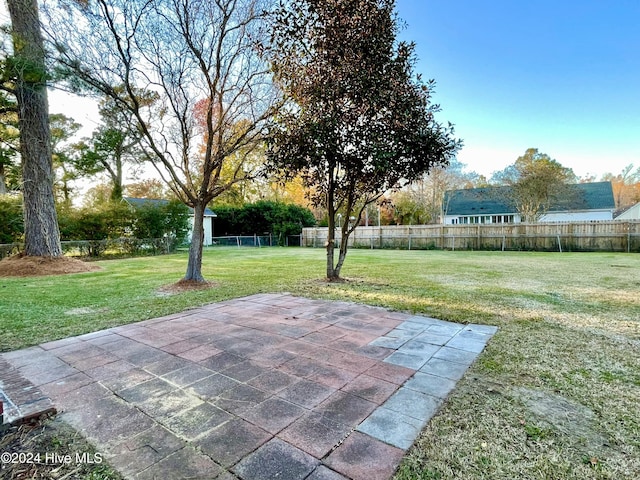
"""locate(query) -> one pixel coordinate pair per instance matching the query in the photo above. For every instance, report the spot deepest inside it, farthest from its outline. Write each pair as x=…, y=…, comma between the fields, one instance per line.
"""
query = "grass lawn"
x=556, y=394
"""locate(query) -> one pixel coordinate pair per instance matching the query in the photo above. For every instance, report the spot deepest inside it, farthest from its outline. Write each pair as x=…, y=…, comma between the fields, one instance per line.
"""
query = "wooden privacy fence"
x=608, y=236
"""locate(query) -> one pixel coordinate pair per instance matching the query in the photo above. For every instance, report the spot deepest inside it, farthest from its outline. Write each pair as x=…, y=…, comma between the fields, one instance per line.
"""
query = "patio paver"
x=267, y=386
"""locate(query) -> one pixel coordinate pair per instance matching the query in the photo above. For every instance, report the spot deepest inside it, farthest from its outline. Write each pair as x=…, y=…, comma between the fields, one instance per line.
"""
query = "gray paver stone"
x=456, y=355
x=406, y=334
x=232, y=441
x=422, y=349
x=467, y=344
x=445, y=328
x=431, y=385
x=392, y=427
x=444, y=368
x=198, y=420
x=188, y=375
x=183, y=464
x=389, y=342
x=276, y=459
x=414, y=404
x=474, y=335
x=486, y=329
x=413, y=327
x=413, y=361
x=324, y=473
x=433, y=338
x=362, y=457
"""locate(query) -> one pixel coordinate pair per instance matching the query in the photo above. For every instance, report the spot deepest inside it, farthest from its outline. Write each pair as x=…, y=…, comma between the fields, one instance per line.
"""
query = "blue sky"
x=562, y=76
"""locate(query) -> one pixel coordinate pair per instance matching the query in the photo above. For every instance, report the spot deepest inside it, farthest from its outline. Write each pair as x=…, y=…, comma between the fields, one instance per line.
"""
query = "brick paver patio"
x=268, y=386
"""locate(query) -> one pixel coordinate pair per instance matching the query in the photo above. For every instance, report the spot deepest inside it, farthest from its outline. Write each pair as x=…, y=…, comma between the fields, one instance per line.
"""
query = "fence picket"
x=616, y=236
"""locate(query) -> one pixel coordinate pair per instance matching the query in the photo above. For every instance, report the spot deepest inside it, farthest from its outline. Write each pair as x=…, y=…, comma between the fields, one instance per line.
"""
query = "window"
x=500, y=219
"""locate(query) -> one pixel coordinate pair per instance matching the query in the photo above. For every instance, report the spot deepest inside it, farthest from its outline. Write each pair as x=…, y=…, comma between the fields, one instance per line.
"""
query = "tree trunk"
x=116, y=193
x=42, y=235
x=332, y=275
x=194, y=266
x=344, y=241
x=3, y=181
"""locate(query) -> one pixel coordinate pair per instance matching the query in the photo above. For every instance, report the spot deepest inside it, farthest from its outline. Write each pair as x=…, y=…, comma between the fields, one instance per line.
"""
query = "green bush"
x=11, y=219
x=263, y=217
x=162, y=220
x=96, y=225
x=111, y=220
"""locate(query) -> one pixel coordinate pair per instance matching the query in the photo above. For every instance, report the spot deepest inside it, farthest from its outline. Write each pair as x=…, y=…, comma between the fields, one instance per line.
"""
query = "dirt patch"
x=356, y=281
x=184, y=286
x=85, y=311
x=568, y=417
x=26, y=266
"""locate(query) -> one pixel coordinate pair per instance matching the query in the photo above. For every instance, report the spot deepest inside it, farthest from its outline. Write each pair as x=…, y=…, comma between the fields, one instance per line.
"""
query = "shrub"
x=162, y=220
x=263, y=217
x=11, y=219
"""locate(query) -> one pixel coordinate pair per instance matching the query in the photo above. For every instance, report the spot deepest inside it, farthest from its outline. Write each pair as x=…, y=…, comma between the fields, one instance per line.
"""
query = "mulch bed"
x=28, y=266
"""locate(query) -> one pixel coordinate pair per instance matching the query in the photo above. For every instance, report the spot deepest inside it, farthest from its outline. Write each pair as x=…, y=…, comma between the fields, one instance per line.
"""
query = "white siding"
x=208, y=229
x=584, y=216
x=632, y=214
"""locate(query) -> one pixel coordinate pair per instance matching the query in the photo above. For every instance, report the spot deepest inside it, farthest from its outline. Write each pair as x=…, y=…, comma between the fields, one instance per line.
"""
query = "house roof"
x=496, y=200
x=143, y=202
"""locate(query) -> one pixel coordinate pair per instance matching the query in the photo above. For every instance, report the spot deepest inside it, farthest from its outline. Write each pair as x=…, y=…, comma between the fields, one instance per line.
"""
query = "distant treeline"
x=262, y=218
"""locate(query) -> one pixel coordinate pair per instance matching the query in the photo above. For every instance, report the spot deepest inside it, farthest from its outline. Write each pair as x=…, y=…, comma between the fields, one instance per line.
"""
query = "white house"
x=209, y=216
x=632, y=213
x=592, y=201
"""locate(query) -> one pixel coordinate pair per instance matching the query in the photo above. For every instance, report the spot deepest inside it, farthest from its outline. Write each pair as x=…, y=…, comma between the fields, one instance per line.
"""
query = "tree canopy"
x=537, y=182
x=191, y=55
x=113, y=144
x=359, y=122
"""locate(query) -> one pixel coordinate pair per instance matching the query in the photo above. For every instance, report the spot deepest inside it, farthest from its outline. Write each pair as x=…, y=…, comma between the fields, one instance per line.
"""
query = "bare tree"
x=41, y=233
x=626, y=186
x=188, y=53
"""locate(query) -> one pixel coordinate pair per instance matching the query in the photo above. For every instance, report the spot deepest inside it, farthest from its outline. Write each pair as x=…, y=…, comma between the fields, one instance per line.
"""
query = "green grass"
x=554, y=395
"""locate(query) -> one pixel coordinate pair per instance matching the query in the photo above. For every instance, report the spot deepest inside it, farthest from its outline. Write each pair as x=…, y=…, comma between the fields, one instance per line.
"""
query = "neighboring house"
x=209, y=215
x=632, y=213
x=593, y=201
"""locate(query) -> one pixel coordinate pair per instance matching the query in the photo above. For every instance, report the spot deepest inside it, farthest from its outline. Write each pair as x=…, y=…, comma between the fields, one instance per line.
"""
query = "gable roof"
x=143, y=202
x=496, y=200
